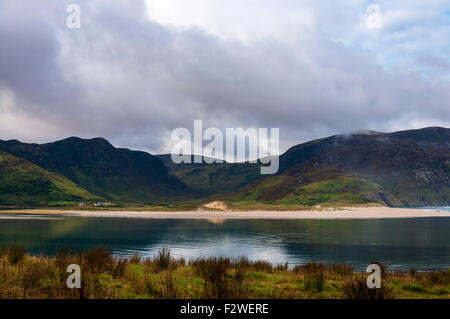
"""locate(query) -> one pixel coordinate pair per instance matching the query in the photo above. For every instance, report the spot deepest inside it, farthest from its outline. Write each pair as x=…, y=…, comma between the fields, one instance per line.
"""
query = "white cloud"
x=244, y=20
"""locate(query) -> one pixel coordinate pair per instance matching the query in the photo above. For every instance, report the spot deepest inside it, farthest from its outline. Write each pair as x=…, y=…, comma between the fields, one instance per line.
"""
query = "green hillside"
x=408, y=168
x=167, y=159
x=25, y=184
x=102, y=169
x=314, y=187
x=219, y=178
x=412, y=167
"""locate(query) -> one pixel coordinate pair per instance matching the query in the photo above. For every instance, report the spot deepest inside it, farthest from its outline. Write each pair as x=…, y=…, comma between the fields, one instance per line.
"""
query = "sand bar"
x=342, y=213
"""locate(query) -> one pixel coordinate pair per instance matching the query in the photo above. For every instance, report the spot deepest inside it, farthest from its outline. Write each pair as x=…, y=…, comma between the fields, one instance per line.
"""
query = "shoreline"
x=340, y=213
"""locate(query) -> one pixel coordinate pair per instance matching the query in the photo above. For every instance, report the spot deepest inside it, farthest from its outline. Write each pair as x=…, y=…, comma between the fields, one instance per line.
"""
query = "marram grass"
x=104, y=276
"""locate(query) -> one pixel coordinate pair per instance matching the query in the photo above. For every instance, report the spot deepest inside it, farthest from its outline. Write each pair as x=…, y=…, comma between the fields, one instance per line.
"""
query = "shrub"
x=310, y=268
x=242, y=263
x=357, y=289
x=219, y=283
x=135, y=259
x=212, y=268
x=119, y=268
x=413, y=272
x=148, y=261
x=98, y=259
x=32, y=276
x=315, y=281
x=151, y=289
x=63, y=259
x=439, y=278
x=15, y=255
x=181, y=262
x=282, y=266
x=341, y=269
x=168, y=288
x=163, y=259
x=3, y=251
x=261, y=265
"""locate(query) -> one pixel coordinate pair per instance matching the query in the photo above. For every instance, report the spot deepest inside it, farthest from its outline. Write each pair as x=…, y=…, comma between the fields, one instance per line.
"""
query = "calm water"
x=441, y=209
x=423, y=243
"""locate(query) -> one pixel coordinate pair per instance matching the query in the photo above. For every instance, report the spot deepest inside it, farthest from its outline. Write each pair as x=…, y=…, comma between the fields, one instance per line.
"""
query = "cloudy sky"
x=136, y=70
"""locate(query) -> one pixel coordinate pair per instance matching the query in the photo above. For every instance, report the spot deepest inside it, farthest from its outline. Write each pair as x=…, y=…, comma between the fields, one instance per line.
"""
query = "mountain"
x=216, y=179
x=102, y=169
x=212, y=179
x=23, y=183
x=407, y=168
x=167, y=159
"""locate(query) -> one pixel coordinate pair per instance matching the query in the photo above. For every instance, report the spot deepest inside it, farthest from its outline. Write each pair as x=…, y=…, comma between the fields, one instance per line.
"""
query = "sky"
x=136, y=70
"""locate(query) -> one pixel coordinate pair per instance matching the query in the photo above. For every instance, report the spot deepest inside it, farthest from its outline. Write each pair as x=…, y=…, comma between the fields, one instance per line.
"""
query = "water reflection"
x=400, y=243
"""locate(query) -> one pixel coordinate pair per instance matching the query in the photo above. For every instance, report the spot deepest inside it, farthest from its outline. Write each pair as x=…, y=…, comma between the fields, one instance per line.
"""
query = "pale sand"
x=343, y=213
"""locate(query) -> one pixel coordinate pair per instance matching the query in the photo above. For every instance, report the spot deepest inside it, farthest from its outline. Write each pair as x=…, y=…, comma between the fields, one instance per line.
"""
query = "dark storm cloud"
x=132, y=80
x=29, y=56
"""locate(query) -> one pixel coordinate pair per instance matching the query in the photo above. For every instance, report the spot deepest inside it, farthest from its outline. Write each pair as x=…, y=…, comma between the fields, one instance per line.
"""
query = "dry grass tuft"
x=356, y=288
x=163, y=260
x=220, y=282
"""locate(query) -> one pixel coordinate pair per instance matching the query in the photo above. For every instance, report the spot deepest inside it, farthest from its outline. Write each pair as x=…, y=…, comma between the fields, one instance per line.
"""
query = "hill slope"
x=118, y=174
x=408, y=168
x=213, y=179
x=23, y=183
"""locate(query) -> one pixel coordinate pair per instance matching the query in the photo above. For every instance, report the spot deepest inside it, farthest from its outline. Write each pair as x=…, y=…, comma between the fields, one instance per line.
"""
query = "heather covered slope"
x=309, y=188
x=23, y=183
x=407, y=168
x=117, y=174
x=412, y=167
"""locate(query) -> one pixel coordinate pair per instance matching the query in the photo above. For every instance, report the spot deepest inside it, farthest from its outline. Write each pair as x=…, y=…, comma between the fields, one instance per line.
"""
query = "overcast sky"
x=136, y=70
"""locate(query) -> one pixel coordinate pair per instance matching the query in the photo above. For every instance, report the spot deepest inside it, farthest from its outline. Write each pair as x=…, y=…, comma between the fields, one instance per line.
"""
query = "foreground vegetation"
x=105, y=276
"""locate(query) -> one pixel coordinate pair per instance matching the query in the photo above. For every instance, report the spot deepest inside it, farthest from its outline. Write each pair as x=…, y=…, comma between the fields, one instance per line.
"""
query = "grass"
x=163, y=260
x=315, y=281
x=356, y=288
x=220, y=280
x=164, y=277
x=25, y=184
x=343, y=190
x=305, y=189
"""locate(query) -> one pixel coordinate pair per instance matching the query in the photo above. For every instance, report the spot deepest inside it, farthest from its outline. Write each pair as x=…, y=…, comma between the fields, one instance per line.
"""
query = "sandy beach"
x=342, y=213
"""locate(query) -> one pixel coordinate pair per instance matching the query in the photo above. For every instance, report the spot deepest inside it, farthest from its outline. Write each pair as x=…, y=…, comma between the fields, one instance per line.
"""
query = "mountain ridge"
x=96, y=165
x=403, y=168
